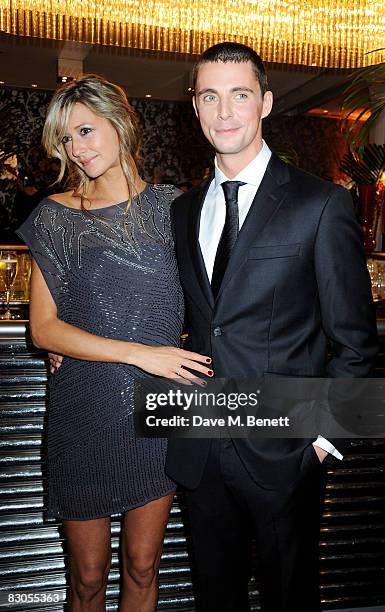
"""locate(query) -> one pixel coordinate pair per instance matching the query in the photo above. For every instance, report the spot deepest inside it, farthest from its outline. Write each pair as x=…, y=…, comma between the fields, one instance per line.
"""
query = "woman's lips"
x=86, y=162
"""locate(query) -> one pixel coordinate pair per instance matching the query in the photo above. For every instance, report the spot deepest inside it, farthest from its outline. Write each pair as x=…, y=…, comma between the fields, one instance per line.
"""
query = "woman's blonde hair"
x=106, y=100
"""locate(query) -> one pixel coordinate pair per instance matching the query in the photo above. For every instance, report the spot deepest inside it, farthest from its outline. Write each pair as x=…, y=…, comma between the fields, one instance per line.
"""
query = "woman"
x=105, y=292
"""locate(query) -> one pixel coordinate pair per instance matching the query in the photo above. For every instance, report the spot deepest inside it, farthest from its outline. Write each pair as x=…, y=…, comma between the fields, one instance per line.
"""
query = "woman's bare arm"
x=50, y=333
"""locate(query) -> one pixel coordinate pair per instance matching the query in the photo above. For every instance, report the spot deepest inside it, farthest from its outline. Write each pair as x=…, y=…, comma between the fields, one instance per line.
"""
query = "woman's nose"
x=77, y=147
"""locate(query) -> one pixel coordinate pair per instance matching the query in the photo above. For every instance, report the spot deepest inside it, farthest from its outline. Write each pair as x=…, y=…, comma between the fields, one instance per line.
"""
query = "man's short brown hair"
x=237, y=53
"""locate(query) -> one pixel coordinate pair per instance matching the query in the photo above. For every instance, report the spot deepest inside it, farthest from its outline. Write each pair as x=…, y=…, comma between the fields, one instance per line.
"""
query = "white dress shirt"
x=212, y=220
x=213, y=213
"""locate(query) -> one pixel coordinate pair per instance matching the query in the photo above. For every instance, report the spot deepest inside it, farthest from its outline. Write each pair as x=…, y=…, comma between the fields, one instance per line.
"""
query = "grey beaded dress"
x=114, y=275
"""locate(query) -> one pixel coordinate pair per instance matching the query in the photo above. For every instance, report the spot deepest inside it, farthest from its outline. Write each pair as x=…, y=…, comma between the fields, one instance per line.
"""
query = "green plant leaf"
x=357, y=96
x=366, y=169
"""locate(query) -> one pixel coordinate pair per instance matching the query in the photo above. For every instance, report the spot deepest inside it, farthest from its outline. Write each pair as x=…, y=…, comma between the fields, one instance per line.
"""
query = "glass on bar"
x=376, y=267
x=15, y=272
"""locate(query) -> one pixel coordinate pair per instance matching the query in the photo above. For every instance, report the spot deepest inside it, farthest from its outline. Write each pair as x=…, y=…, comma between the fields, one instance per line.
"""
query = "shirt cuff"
x=328, y=447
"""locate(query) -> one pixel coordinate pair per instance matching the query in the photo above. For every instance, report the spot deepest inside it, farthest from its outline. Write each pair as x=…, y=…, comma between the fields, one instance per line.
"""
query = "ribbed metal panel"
x=31, y=553
x=353, y=529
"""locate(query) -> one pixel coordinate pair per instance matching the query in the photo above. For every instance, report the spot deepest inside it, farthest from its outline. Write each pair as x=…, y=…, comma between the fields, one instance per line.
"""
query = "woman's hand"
x=171, y=362
x=55, y=362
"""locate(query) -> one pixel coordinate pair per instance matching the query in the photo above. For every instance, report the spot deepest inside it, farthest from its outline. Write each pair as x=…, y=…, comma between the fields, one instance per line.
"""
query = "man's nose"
x=224, y=109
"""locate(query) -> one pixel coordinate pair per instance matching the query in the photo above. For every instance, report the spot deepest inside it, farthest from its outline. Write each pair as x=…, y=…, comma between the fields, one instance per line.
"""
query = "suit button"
x=217, y=331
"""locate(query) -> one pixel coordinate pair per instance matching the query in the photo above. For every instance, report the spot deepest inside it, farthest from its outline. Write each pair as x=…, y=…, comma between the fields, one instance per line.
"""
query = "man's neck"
x=232, y=165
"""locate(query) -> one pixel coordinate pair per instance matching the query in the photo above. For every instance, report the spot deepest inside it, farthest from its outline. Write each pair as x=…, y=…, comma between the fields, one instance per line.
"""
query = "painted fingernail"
x=208, y=360
x=210, y=372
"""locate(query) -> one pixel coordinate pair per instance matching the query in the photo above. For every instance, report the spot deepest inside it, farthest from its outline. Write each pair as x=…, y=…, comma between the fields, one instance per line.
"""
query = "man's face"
x=229, y=105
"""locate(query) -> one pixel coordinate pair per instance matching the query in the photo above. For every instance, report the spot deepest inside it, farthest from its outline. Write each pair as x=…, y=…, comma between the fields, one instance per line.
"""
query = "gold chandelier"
x=329, y=33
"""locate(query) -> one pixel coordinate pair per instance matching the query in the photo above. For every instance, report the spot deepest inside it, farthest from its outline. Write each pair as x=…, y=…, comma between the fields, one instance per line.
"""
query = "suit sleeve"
x=347, y=310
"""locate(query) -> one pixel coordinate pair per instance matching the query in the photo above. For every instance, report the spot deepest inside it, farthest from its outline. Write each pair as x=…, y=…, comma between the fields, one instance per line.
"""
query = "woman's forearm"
x=65, y=339
x=166, y=361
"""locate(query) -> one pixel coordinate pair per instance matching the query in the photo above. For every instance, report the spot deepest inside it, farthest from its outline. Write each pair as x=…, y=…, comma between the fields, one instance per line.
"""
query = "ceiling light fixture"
x=331, y=33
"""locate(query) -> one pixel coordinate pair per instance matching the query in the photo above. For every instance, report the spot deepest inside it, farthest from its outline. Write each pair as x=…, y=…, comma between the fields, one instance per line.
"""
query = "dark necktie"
x=229, y=234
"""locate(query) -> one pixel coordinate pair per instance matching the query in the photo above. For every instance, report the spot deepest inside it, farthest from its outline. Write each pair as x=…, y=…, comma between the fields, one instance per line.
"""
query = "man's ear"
x=195, y=106
x=267, y=104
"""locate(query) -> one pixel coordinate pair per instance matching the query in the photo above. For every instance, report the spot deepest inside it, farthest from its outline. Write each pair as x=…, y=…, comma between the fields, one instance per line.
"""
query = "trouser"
x=229, y=508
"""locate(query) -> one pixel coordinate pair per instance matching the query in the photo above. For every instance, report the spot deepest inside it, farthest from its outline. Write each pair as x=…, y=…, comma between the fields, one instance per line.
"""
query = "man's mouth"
x=225, y=131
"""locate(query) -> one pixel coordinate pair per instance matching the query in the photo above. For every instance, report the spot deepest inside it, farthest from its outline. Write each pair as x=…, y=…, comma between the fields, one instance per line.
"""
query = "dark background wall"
x=173, y=148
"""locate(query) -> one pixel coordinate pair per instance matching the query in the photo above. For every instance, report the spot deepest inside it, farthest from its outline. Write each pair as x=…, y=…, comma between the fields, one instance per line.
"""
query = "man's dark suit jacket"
x=296, y=279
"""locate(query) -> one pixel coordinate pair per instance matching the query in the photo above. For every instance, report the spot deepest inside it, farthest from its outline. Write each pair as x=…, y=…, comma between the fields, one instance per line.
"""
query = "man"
x=266, y=300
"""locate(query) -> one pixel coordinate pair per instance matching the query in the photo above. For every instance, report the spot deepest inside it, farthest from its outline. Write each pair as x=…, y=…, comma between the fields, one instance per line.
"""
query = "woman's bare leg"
x=142, y=542
x=89, y=552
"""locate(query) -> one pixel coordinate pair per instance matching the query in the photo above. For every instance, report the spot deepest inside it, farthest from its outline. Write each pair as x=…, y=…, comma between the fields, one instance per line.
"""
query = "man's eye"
x=85, y=130
x=209, y=98
x=241, y=96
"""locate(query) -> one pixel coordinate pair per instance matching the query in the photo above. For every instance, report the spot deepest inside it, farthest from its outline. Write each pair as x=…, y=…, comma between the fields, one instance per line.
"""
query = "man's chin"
x=227, y=150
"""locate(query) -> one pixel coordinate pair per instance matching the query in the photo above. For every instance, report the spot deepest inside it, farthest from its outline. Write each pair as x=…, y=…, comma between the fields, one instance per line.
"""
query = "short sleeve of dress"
x=48, y=237
x=171, y=193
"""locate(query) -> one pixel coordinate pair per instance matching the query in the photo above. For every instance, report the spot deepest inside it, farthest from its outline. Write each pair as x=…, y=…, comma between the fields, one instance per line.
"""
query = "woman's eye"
x=66, y=139
x=85, y=130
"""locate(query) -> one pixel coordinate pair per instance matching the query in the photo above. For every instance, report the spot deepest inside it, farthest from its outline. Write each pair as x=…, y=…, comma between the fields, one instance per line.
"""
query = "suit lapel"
x=195, y=250
x=269, y=197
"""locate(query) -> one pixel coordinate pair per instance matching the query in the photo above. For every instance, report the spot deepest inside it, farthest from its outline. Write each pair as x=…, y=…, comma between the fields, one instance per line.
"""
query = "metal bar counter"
x=32, y=560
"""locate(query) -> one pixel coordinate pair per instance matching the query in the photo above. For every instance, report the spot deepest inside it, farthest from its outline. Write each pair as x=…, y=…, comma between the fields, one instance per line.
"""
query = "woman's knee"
x=142, y=569
x=88, y=579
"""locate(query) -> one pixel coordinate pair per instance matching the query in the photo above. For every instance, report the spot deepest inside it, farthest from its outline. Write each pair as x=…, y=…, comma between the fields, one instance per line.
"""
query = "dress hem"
x=121, y=511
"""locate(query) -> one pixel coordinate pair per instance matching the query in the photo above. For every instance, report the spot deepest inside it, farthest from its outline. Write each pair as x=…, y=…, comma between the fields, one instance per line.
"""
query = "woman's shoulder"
x=41, y=226
x=51, y=210
x=65, y=199
x=166, y=192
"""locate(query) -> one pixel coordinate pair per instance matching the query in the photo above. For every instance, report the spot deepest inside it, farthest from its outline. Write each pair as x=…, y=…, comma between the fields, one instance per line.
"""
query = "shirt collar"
x=252, y=173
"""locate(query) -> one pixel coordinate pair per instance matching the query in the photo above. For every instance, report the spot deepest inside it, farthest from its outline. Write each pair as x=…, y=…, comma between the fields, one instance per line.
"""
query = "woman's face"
x=91, y=142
